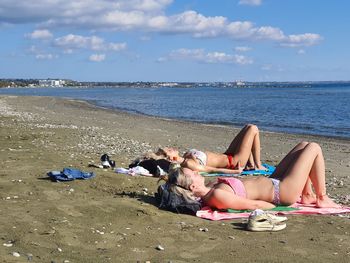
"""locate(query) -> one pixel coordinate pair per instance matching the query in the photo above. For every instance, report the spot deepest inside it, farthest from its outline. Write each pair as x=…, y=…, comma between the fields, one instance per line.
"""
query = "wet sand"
x=113, y=217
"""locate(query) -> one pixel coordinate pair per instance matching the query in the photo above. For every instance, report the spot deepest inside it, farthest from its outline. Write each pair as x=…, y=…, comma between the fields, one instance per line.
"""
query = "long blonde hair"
x=157, y=155
x=179, y=183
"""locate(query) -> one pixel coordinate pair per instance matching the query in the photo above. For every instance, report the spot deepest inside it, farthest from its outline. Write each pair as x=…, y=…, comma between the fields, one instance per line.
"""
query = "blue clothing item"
x=268, y=172
x=70, y=174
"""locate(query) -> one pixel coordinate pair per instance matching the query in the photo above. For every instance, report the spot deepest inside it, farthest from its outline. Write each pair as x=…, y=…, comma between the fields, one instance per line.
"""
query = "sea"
x=315, y=109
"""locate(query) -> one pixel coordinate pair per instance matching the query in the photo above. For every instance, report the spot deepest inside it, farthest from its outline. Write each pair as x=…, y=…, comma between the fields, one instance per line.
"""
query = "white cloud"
x=243, y=60
x=301, y=51
x=242, y=49
x=45, y=56
x=200, y=55
x=116, y=46
x=268, y=32
x=71, y=42
x=51, y=10
x=146, y=16
x=307, y=39
x=97, y=57
x=40, y=34
x=250, y=2
x=40, y=53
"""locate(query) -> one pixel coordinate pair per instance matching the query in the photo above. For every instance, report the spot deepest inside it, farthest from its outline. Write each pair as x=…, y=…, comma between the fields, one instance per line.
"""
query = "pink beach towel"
x=207, y=213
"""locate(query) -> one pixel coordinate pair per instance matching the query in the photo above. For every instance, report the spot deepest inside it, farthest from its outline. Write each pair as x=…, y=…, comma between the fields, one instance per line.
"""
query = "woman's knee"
x=303, y=144
x=315, y=147
x=289, y=198
x=252, y=128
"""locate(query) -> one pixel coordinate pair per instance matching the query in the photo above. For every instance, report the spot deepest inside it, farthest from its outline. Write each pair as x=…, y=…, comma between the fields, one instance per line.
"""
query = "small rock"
x=30, y=257
x=8, y=244
x=283, y=241
x=16, y=254
x=59, y=249
x=204, y=229
x=159, y=247
x=231, y=237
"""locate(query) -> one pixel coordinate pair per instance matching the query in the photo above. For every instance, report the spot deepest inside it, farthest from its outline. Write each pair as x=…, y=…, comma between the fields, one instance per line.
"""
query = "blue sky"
x=175, y=40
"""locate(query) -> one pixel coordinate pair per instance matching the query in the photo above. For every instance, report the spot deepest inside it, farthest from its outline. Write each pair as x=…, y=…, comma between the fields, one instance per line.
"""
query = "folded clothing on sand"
x=152, y=166
x=69, y=174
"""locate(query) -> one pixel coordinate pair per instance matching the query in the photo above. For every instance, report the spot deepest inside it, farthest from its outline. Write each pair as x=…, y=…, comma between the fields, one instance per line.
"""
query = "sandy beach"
x=114, y=217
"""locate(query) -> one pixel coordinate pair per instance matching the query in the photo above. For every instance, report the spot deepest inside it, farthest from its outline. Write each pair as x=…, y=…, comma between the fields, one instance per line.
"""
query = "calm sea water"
x=320, y=110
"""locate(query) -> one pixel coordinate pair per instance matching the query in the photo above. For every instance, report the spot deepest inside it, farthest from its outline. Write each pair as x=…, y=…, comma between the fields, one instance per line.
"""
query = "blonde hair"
x=179, y=183
x=159, y=154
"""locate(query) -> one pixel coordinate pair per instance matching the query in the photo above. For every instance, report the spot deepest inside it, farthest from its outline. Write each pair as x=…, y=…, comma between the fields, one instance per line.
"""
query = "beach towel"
x=69, y=174
x=295, y=209
x=268, y=172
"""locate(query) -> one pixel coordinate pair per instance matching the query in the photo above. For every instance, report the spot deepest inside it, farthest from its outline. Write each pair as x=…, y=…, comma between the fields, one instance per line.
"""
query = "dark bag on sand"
x=151, y=165
x=168, y=200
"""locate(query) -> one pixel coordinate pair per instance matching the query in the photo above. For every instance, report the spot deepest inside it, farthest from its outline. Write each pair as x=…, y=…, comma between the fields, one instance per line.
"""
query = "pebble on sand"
x=159, y=247
x=8, y=244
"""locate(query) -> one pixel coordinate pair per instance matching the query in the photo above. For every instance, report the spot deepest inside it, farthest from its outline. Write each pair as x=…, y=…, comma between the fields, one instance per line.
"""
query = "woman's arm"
x=222, y=199
x=195, y=166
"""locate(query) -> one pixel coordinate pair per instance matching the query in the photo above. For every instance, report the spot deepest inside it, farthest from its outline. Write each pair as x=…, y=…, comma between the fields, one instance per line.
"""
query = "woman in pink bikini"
x=243, y=152
x=290, y=181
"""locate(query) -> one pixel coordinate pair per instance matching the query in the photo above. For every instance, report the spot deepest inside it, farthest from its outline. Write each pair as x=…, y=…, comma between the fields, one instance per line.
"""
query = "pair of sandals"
x=260, y=220
x=106, y=162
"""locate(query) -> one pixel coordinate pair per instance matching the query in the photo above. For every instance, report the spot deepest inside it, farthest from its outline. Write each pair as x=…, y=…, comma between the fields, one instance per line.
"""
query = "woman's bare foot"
x=308, y=199
x=249, y=168
x=325, y=201
x=261, y=167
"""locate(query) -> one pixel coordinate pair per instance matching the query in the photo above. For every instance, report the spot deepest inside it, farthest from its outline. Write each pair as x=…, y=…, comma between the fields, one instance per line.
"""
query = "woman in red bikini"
x=290, y=181
x=243, y=152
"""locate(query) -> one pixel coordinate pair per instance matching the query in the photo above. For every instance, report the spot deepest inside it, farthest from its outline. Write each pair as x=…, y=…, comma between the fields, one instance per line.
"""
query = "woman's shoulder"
x=216, y=197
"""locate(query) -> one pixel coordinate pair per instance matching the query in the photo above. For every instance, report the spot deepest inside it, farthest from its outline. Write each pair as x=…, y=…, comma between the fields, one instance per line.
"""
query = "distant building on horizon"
x=51, y=82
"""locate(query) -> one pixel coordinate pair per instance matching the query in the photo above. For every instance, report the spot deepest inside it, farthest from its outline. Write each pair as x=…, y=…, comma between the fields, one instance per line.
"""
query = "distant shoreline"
x=241, y=84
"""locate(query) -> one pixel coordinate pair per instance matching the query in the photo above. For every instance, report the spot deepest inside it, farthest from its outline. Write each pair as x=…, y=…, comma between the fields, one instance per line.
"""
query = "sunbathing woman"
x=289, y=183
x=243, y=152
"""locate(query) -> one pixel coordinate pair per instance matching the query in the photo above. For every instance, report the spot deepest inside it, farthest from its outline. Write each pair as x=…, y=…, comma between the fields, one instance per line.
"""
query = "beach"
x=113, y=217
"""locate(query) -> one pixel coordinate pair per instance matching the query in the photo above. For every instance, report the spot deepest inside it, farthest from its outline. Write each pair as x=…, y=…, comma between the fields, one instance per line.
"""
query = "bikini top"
x=199, y=155
x=236, y=185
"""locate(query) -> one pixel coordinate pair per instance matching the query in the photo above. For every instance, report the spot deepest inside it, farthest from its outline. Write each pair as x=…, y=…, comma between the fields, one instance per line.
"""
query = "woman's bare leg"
x=250, y=164
x=246, y=143
x=308, y=196
x=282, y=167
x=306, y=162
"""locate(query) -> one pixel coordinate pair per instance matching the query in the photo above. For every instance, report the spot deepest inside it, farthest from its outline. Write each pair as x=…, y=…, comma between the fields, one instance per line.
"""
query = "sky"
x=175, y=40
